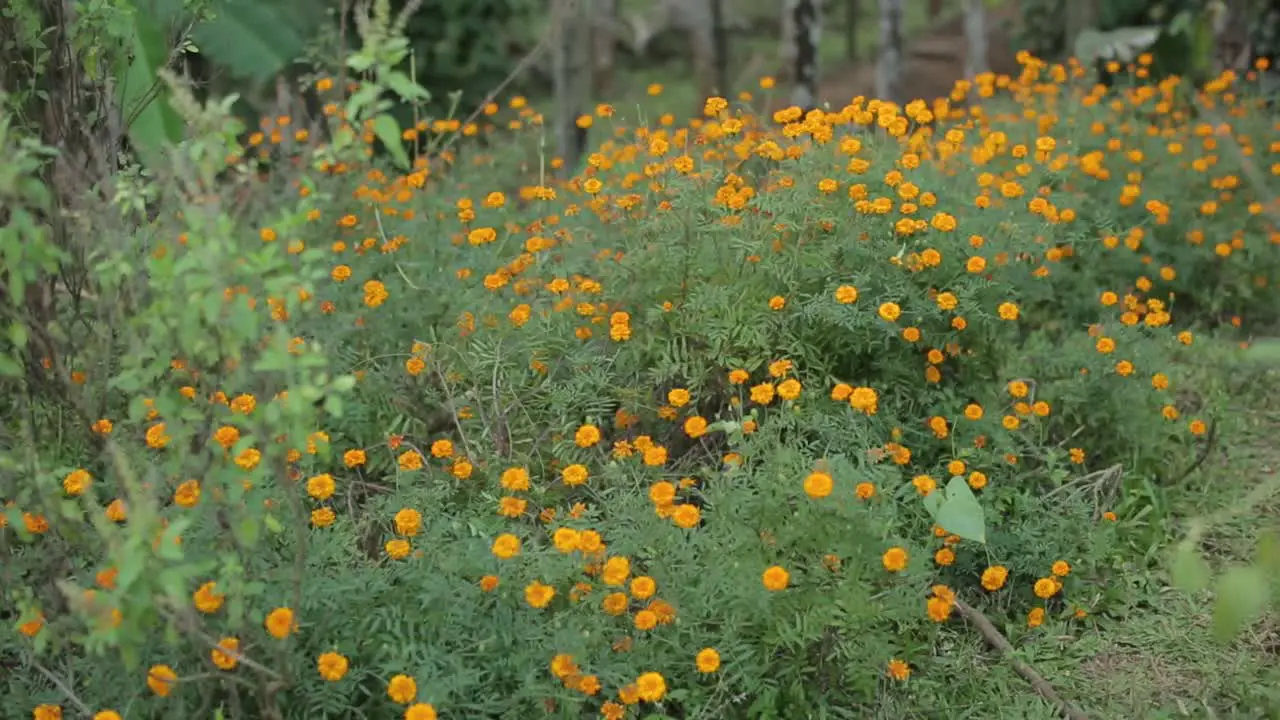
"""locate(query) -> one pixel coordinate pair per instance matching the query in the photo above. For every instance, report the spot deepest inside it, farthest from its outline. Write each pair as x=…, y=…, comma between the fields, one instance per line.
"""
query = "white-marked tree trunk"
x=889, y=59
x=975, y=35
x=804, y=22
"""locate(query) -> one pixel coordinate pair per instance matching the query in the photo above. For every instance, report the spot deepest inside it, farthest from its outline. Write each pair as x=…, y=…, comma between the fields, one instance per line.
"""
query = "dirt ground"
x=934, y=61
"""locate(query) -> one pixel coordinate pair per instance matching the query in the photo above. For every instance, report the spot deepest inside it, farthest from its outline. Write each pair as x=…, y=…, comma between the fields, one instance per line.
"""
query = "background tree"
x=570, y=77
x=720, y=46
x=852, y=8
x=889, y=52
x=975, y=34
x=804, y=21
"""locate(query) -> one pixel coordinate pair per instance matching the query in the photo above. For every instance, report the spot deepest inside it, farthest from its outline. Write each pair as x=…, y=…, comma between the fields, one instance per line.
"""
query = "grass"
x=1156, y=656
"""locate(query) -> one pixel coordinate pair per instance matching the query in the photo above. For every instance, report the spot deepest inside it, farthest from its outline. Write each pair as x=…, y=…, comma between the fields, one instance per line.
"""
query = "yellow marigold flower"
x=775, y=578
x=651, y=687
x=538, y=595
x=161, y=679
x=1035, y=618
x=506, y=546
x=331, y=666
x=993, y=578
x=587, y=436
x=280, y=623
x=894, y=559
x=707, y=660
x=402, y=689
x=420, y=711
x=224, y=656
x=1046, y=588
x=818, y=485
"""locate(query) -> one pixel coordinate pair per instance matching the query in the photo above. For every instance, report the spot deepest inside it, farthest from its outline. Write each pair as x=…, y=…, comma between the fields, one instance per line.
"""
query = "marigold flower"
x=776, y=578
x=161, y=679
x=894, y=559
x=280, y=623
x=707, y=660
x=331, y=666
x=402, y=689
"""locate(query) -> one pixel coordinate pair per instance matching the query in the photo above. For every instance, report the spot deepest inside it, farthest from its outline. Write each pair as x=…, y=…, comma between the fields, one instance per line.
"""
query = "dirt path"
x=934, y=61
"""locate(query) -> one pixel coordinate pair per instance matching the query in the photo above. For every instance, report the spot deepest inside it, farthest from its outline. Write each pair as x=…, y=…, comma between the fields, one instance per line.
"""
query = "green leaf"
x=366, y=95
x=961, y=514
x=8, y=367
x=407, y=89
x=388, y=131
x=256, y=39
x=1243, y=593
x=152, y=123
x=273, y=524
x=247, y=532
x=18, y=335
x=932, y=502
x=1190, y=572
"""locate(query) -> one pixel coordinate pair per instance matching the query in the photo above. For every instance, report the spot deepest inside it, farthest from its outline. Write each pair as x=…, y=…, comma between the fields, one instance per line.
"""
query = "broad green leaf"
x=366, y=95
x=406, y=88
x=247, y=532
x=256, y=39
x=1190, y=573
x=8, y=367
x=388, y=131
x=961, y=514
x=273, y=524
x=1243, y=593
x=1121, y=44
x=152, y=123
x=18, y=335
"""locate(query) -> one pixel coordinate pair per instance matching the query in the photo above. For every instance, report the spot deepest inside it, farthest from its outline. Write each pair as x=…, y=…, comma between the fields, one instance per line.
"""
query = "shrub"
x=724, y=425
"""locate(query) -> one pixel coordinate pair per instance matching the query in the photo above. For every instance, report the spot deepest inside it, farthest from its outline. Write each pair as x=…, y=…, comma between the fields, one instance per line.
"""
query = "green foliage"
x=781, y=388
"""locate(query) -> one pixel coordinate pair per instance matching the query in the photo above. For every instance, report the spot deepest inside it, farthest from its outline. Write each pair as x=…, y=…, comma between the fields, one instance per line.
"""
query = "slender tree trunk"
x=851, y=10
x=1081, y=15
x=720, y=47
x=806, y=24
x=570, y=78
x=935, y=10
x=975, y=35
x=604, y=14
x=889, y=61
x=695, y=18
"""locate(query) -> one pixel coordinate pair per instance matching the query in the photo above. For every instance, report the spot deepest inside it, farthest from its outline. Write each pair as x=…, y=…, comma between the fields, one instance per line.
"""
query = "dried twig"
x=58, y=683
x=999, y=642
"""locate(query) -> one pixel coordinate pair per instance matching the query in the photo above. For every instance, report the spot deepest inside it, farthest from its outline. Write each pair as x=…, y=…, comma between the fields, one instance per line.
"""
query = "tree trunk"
x=975, y=35
x=570, y=79
x=851, y=10
x=1081, y=15
x=889, y=62
x=604, y=15
x=935, y=10
x=720, y=47
x=806, y=25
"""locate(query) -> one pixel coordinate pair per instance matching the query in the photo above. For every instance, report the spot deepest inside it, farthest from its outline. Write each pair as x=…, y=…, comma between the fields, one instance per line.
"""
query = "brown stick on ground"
x=998, y=641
